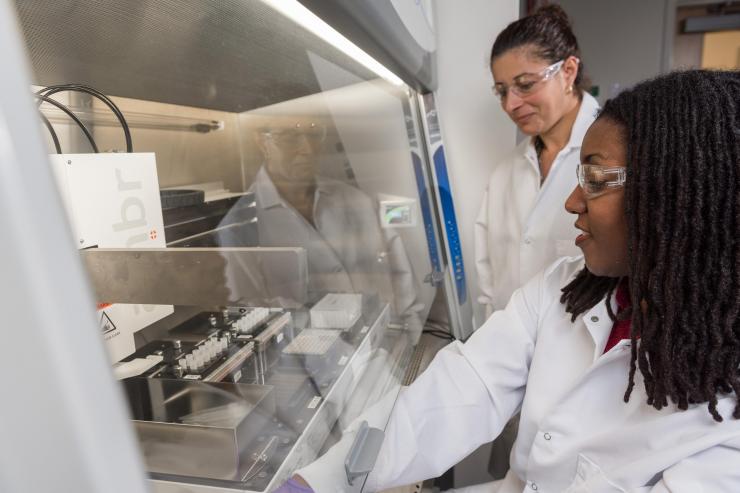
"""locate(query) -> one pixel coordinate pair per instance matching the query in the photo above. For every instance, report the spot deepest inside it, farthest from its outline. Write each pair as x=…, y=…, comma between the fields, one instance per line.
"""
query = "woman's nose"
x=576, y=203
x=511, y=102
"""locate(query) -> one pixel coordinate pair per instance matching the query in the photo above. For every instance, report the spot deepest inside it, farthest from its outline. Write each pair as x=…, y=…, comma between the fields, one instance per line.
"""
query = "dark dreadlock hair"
x=682, y=199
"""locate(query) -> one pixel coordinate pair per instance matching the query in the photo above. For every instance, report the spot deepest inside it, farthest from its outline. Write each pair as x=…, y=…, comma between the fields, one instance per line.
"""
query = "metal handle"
x=435, y=278
x=361, y=457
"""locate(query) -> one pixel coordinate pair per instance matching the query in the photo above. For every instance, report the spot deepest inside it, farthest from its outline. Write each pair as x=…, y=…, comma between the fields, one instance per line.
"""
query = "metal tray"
x=198, y=429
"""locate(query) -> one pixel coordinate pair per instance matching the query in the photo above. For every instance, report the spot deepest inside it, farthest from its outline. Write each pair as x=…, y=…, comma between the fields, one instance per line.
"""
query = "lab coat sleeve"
x=714, y=470
x=462, y=400
x=482, y=260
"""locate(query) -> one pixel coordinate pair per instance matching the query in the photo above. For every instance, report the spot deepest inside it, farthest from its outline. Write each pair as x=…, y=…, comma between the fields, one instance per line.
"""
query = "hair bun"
x=555, y=12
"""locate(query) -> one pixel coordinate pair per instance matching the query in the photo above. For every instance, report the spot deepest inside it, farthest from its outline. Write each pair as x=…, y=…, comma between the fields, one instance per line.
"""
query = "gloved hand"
x=293, y=486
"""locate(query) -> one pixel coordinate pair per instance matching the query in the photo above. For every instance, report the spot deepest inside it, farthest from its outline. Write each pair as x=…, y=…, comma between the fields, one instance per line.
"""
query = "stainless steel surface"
x=134, y=120
x=199, y=276
x=215, y=236
x=330, y=406
x=190, y=428
x=229, y=55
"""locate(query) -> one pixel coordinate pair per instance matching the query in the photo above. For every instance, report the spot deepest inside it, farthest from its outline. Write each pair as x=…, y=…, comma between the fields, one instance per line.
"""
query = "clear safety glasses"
x=526, y=84
x=290, y=139
x=596, y=180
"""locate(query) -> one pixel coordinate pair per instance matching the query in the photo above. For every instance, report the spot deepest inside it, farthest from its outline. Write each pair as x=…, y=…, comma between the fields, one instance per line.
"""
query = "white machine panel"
x=87, y=182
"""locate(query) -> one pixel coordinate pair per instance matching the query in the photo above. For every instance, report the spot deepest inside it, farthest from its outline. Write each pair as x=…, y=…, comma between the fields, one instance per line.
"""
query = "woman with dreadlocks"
x=624, y=362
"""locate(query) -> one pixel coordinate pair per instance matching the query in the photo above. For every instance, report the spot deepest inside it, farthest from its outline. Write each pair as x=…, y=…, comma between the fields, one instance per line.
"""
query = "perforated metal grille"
x=230, y=55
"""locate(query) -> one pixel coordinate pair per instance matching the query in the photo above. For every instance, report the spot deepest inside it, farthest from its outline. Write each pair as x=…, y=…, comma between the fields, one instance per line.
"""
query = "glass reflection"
x=334, y=221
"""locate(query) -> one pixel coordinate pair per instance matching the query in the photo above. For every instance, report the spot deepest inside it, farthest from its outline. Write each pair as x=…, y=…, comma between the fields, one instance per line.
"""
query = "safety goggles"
x=292, y=138
x=526, y=84
x=596, y=180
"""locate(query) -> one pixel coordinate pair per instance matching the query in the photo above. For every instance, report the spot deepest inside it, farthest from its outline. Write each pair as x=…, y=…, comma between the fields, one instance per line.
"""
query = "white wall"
x=622, y=42
x=475, y=130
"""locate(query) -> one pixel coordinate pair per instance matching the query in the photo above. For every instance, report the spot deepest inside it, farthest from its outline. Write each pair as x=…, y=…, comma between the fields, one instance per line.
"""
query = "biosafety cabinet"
x=255, y=212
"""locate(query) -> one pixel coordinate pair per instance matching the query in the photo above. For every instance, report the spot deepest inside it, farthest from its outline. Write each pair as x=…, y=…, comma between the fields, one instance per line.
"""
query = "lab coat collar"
x=586, y=114
x=599, y=324
x=268, y=196
x=265, y=191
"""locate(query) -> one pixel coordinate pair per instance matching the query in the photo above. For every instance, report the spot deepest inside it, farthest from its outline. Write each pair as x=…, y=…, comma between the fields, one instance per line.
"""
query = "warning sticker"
x=106, y=324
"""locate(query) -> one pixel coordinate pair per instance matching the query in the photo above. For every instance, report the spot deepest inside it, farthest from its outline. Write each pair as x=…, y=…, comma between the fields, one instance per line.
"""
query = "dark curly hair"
x=549, y=32
x=682, y=201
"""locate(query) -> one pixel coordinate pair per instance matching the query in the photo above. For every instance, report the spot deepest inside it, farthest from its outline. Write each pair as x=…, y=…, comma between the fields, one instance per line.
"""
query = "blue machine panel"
x=426, y=214
x=448, y=211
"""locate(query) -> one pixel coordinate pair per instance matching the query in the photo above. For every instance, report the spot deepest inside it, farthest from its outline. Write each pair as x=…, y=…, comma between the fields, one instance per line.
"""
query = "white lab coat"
x=523, y=227
x=576, y=433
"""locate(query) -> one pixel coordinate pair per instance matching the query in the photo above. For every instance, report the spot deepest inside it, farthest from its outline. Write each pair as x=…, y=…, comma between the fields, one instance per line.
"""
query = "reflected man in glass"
x=337, y=224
